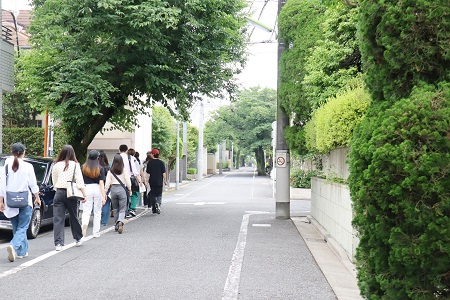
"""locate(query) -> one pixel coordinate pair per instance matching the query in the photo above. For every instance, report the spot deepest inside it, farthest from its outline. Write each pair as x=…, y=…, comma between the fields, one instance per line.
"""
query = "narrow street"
x=214, y=239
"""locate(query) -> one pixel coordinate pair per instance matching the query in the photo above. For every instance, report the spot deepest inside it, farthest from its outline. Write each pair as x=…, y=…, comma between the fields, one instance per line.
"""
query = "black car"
x=42, y=215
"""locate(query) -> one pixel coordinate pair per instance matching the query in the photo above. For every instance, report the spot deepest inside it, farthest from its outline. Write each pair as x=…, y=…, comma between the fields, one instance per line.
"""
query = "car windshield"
x=39, y=169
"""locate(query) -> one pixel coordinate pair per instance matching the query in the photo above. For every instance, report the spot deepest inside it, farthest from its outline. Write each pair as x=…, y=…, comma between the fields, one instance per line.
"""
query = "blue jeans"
x=20, y=225
x=106, y=211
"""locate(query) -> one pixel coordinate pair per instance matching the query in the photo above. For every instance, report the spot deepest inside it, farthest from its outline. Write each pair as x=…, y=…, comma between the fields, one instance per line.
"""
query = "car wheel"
x=35, y=224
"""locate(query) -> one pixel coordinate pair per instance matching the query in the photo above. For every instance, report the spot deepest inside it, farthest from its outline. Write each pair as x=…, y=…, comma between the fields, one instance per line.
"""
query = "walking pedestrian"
x=18, y=175
x=119, y=181
x=130, y=166
x=64, y=168
x=147, y=187
x=156, y=174
x=135, y=194
x=106, y=208
x=94, y=179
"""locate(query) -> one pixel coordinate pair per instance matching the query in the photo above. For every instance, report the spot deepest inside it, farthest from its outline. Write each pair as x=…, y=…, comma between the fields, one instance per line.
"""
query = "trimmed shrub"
x=400, y=186
x=332, y=124
x=31, y=137
x=192, y=171
x=301, y=178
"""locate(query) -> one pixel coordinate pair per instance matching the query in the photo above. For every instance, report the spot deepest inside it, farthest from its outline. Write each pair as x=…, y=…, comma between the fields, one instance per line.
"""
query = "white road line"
x=187, y=195
x=54, y=252
x=231, y=289
x=261, y=225
x=200, y=203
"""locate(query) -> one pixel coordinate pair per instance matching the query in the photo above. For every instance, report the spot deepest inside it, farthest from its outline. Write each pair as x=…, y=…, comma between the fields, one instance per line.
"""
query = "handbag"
x=15, y=199
x=134, y=181
x=73, y=192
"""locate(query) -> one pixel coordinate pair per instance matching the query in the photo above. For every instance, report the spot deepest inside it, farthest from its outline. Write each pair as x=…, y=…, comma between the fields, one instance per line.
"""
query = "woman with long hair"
x=119, y=181
x=94, y=178
x=64, y=168
x=106, y=208
x=20, y=177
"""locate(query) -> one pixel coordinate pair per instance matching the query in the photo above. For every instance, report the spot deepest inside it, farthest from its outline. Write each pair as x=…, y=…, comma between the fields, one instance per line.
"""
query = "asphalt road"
x=214, y=239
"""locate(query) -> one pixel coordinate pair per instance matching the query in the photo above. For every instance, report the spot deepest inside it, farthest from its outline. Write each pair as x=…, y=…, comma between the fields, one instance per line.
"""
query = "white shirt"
x=133, y=170
x=23, y=179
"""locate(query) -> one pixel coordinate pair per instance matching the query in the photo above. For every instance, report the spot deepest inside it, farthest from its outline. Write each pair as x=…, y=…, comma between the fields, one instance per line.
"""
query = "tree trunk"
x=259, y=155
x=81, y=137
x=237, y=159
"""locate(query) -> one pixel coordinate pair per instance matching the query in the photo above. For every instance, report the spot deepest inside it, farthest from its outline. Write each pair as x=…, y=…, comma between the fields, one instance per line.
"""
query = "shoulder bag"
x=73, y=192
x=15, y=199
x=134, y=181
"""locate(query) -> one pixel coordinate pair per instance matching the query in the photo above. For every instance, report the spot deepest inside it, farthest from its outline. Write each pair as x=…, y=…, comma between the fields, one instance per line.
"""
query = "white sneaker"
x=11, y=253
x=22, y=256
x=96, y=235
x=58, y=247
x=79, y=242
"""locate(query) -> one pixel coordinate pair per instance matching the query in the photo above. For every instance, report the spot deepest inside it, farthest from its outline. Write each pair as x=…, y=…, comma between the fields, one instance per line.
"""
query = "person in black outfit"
x=156, y=175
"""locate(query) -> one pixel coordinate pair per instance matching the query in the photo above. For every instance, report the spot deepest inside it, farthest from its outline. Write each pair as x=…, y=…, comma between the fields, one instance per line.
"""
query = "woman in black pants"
x=63, y=171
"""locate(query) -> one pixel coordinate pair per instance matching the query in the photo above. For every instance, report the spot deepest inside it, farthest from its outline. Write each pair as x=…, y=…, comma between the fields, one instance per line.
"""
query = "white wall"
x=331, y=205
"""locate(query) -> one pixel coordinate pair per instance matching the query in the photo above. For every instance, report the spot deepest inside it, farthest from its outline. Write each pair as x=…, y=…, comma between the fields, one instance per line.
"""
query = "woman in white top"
x=21, y=177
x=63, y=171
x=120, y=190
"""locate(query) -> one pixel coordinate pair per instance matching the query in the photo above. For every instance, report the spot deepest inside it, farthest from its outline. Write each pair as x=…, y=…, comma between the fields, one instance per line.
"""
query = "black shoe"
x=116, y=228
x=132, y=213
x=128, y=216
x=158, y=210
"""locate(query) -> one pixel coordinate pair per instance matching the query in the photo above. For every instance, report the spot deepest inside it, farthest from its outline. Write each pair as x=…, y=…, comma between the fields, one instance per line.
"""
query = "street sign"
x=280, y=160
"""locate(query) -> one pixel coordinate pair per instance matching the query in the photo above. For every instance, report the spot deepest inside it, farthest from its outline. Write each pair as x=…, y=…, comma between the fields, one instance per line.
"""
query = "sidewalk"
x=338, y=270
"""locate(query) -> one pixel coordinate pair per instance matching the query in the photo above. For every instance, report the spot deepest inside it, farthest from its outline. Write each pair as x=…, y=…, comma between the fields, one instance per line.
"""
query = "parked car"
x=42, y=215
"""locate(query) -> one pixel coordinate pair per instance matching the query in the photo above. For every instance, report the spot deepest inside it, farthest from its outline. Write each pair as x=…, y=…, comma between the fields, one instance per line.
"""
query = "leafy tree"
x=192, y=146
x=163, y=131
x=92, y=61
x=298, y=23
x=247, y=122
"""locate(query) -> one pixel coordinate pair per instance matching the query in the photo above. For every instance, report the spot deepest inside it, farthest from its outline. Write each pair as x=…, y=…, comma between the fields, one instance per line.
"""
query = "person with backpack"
x=119, y=183
x=18, y=177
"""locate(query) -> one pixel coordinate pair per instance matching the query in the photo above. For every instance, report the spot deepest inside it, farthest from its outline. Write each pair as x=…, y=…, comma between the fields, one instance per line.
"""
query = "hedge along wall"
x=400, y=159
x=32, y=138
x=332, y=124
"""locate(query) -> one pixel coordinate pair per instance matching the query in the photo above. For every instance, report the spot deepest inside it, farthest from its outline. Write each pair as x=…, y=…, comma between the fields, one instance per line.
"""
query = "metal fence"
x=7, y=35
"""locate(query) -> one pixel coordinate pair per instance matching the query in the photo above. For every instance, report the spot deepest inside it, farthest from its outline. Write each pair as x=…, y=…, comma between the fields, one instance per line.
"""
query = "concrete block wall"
x=331, y=207
x=335, y=163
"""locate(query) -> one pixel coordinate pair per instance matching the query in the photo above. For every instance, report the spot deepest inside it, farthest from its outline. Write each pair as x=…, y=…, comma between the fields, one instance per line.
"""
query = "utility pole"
x=282, y=159
x=177, y=161
x=200, y=144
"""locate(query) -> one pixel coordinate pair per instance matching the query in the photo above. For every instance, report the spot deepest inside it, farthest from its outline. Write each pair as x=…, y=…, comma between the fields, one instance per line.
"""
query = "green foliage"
x=59, y=139
x=301, y=178
x=93, y=61
x=403, y=43
x=192, y=171
x=316, y=64
x=332, y=124
x=192, y=146
x=399, y=182
x=247, y=122
x=334, y=61
x=163, y=131
x=32, y=138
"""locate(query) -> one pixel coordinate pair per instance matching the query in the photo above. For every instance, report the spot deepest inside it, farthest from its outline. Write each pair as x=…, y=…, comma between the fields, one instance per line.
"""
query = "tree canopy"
x=93, y=61
x=247, y=122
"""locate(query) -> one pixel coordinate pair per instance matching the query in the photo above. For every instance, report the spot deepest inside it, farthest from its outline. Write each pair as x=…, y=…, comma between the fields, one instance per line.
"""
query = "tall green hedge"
x=32, y=138
x=403, y=43
x=400, y=187
x=400, y=159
